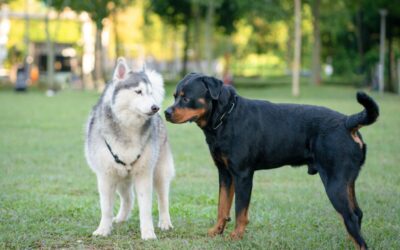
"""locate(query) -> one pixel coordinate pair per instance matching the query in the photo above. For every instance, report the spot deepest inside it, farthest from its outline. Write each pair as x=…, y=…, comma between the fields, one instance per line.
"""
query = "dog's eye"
x=185, y=99
x=139, y=92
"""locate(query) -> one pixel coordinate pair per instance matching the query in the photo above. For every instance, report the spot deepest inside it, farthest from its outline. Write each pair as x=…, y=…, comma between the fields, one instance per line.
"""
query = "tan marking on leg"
x=349, y=235
x=241, y=222
x=350, y=195
x=224, y=207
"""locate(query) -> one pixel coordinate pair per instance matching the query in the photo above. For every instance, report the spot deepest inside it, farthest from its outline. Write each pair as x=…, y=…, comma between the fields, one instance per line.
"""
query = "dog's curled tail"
x=365, y=117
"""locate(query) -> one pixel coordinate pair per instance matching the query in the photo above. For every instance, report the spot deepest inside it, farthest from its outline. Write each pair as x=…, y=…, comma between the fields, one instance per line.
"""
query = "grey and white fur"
x=126, y=118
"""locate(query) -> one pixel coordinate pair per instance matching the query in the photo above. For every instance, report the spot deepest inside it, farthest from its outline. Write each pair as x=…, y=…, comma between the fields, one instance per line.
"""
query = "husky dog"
x=127, y=147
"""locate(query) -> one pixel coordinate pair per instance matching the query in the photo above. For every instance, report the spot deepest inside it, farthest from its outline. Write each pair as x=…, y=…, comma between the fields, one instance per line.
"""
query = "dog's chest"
x=132, y=157
x=218, y=144
x=127, y=152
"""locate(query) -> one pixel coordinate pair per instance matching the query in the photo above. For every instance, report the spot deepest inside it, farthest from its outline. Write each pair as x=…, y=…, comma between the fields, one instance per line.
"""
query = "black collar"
x=227, y=112
x=116, y=158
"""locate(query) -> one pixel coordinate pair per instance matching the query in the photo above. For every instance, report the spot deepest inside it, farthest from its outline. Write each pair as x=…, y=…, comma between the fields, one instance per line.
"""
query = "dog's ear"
x=121, y=70
x=213, y=85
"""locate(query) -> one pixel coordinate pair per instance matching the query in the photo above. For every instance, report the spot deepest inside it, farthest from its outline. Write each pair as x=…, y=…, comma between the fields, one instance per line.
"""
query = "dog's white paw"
x=165, y=225
x=102, y=231
x=119, y=219
x=148, y=234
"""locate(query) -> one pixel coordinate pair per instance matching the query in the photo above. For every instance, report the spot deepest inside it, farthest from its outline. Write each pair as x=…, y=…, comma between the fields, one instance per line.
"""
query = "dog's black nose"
x=168, y=113
x=155, y=108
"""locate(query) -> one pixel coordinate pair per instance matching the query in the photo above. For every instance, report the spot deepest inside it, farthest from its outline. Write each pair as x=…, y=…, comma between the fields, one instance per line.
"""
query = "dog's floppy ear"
x=213, y=85
x=121, y=70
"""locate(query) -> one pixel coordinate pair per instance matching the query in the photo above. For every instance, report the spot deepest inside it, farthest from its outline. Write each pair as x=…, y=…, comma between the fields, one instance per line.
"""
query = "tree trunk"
x=196, y=34
x=360, y=46
x=297, y=49
x=50, y=51
x=27, y=62
x=98, y=59
x=289, y=46
x=398, y=76
x=391, y=66
x=382, y=39
x=185, y=50
x=316, y=52
x=116, y=34
x=209, y=37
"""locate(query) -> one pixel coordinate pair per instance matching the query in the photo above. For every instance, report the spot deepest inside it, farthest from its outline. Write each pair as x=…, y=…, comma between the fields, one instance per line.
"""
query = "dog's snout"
x=168, y=113
x=155, y=108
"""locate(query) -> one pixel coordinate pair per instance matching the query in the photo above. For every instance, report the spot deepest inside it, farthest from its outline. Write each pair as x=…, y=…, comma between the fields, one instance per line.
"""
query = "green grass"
x=48, y=195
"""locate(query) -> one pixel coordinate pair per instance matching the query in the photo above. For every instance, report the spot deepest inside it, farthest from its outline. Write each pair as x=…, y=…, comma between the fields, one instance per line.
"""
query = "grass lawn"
x=48, y=194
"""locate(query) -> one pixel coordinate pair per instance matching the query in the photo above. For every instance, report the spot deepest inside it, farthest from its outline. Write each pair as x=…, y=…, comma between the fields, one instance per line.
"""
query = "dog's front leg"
x=226, y=192
x=243, y=186
x=144, y=191
x=107, y=187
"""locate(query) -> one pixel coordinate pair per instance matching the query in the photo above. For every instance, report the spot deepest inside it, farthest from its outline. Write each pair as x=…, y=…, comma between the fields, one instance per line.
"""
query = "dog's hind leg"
x=162, y=178
x=106, y=186
x=337, y=191
x=353, y=201
x=125, y=191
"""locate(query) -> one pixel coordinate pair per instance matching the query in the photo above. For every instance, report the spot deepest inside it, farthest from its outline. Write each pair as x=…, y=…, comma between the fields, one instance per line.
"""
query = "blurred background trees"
x=233, y=39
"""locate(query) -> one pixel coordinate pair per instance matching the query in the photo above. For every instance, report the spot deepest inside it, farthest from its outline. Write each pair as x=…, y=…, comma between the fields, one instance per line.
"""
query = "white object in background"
x=381, y=66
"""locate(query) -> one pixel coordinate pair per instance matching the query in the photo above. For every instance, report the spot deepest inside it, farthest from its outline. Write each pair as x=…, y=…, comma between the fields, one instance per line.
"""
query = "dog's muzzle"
x=168, y=114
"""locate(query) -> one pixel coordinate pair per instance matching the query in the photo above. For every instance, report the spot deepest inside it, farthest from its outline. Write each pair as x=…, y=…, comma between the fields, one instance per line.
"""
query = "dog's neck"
x=124, y=128
x=220, y=108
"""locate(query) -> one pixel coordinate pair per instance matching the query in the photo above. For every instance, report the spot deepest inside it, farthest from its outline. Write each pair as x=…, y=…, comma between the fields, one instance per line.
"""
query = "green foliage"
x=173, y=12
x=4, y=2
x=227, y=12
x=246, y=29
x=49, y=196
x=350, y=32
x=98, y=10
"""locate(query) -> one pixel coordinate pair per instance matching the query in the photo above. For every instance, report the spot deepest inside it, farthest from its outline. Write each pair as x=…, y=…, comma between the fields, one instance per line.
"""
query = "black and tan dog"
x=247, y=135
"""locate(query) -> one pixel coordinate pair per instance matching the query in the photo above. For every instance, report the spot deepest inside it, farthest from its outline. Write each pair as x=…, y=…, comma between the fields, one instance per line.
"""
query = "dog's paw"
x=148, y=234
x=102, y=231
x=165, y=225
x=119, y=219
x=214, y=231
x=236, y=235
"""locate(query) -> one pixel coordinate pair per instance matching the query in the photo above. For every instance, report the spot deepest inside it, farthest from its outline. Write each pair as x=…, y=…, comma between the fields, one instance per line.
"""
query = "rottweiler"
x=246, y=135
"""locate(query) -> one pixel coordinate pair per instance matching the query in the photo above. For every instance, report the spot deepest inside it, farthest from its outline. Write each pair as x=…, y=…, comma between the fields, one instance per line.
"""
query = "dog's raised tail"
x=365, y=117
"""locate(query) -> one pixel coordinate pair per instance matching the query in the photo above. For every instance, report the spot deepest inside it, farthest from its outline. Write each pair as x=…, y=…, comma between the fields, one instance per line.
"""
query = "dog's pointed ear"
x=121, y=70
x=213, y=85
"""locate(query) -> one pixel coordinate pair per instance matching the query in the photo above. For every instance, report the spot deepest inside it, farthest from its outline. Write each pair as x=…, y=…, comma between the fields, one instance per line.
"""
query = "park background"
x=59, y=54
